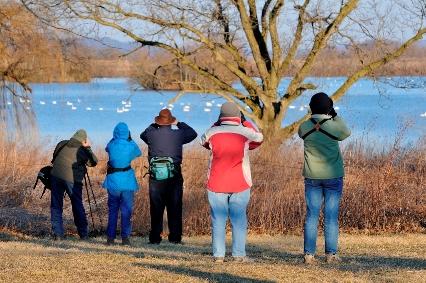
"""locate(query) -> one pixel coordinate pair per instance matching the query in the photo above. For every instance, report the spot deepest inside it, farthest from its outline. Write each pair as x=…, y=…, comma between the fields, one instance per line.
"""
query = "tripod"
x=89, y=187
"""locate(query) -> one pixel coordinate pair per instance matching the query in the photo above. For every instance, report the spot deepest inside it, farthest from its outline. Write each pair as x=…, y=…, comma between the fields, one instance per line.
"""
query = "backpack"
x=161, y=168
x=45, y=176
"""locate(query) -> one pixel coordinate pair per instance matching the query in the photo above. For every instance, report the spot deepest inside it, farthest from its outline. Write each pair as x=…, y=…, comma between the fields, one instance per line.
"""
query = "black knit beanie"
x=320, y=103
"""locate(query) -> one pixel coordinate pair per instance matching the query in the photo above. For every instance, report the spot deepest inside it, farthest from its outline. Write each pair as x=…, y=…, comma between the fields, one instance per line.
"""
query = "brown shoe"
x=309, y=259
x=243, y=259
x=333, y=258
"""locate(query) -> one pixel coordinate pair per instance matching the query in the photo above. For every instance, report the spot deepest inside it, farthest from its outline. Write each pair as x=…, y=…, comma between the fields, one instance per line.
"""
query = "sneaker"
x=110, y=241
x=219, y=259
x=125, y=242
x=309, y=259
x=333, y=258
x=244, y=259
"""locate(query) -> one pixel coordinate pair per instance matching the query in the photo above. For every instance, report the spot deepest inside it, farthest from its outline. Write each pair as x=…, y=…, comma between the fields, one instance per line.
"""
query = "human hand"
x=332, y=113
x=86, y=143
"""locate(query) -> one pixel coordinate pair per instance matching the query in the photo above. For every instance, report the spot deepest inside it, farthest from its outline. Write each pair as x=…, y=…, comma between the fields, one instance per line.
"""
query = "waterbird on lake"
x=42, y=102
x=207, y=110
x=219, y=105
x=423, y=115
x=119, y=110
x=209, y=104
x=73, y=108
x=292, y=107
x=101, y=109
x=301, y=108
x=69, y=103
x=88, y=108
x=54, y=102
x=337, y=108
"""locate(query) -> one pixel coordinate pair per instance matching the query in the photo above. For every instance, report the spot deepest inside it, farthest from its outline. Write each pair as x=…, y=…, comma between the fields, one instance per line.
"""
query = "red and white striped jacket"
x=229, y=142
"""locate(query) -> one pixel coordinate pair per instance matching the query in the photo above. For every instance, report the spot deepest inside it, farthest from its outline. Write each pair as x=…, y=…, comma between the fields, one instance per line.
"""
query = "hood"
x=121, y=131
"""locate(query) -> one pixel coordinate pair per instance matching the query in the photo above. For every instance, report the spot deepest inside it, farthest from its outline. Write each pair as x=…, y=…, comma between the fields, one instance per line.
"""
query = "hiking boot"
x=84, y=238
x=125, y=242
x=58, y=237
x=243, y=259
x=309, y=259
x=218, y=259
x=333, y=258
x=110, y=241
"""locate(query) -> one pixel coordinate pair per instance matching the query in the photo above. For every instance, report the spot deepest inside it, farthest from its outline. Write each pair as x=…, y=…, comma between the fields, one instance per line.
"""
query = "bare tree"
x=272, y=35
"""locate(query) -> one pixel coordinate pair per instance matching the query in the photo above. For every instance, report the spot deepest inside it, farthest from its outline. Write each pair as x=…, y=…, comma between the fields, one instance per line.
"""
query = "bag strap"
x=317, y=127
x=57, y=152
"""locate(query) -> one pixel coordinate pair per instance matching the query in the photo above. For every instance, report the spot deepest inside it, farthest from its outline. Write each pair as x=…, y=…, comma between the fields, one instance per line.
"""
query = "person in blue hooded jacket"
x=121, y=182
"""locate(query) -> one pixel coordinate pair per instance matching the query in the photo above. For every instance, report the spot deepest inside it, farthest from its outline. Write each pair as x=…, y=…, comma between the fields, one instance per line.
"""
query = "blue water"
x=373, y=110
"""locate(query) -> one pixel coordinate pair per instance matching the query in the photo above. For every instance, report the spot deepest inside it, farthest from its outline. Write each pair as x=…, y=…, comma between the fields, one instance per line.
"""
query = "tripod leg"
x=96, y=203
x=90, y=205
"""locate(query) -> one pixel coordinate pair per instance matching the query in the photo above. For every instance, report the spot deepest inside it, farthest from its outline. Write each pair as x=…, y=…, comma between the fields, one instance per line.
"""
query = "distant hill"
x=108, y=42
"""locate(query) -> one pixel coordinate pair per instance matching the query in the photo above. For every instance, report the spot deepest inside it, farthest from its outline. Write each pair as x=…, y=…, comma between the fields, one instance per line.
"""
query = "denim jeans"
x=120, y=201
x=74, y=191
x=234, y=206
x=328, y=191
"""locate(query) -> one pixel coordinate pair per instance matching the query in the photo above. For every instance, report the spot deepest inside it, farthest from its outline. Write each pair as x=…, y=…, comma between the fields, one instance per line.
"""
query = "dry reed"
x=384, y=191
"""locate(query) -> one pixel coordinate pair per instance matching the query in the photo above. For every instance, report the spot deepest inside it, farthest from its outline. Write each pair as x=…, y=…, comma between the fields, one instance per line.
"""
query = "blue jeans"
x=328, y=191
x=74, y=191
x=233, y=205
x=123, y=201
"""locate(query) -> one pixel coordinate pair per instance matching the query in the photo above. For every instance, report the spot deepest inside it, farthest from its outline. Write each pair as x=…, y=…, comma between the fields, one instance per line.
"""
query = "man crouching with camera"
x=70, y=159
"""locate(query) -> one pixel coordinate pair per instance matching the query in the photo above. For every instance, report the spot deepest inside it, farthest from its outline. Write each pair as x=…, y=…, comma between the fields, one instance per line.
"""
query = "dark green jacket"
x=323, y=159
x=70, y=164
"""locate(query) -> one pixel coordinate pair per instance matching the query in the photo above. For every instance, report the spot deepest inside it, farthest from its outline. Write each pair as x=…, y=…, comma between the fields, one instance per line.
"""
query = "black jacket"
x=163, y=141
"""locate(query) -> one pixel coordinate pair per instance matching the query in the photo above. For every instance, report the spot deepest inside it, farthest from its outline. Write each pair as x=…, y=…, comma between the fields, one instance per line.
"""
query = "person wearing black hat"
x=323, y=171
x=165, y=146
x=70, y=159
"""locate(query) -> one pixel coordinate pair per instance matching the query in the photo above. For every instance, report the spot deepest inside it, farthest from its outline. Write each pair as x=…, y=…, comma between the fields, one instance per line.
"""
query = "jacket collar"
x=321, y=116
x=234, y=121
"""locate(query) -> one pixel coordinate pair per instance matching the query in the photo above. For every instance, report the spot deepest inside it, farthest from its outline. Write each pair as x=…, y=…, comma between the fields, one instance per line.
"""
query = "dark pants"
x=74, y=191
x=167, y=193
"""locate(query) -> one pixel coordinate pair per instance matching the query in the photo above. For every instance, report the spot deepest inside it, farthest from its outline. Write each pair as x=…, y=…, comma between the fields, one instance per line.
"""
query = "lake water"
x=373, y=110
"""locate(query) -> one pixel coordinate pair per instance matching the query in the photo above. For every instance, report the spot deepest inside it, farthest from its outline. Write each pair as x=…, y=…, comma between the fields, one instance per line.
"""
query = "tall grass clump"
x=384, y=190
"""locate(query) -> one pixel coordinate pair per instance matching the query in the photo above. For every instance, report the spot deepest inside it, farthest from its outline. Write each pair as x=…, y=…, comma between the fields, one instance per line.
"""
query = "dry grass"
x=278, y=259
x=384, y=191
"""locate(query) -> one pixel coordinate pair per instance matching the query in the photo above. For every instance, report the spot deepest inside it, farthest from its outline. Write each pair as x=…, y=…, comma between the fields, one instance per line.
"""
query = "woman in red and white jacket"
x=229, y=178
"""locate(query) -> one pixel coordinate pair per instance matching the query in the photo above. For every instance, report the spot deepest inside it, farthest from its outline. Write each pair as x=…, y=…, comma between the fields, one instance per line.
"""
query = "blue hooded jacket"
x=121, y=152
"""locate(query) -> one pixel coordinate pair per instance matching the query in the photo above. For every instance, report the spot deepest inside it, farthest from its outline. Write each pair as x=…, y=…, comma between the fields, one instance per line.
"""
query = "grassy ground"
x=395, y=258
